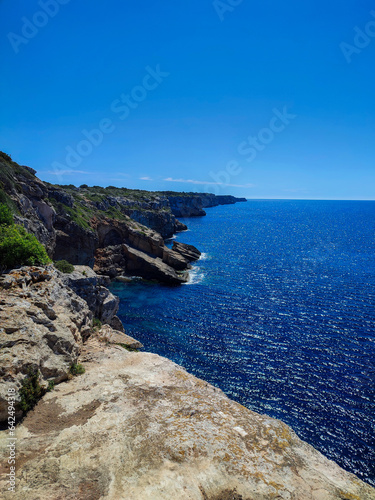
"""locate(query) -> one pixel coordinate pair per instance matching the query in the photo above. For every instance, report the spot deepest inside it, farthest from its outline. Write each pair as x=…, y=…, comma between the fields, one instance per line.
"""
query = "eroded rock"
x=42, y=324
x=89, y=286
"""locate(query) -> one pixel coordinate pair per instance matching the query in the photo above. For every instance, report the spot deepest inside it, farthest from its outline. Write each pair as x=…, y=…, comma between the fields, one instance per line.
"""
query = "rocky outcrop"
x=137, y=426
x=189, y=252
x=42, y=326
x=141, y=264
x=164, y=222
x=45, y=316
x=124, y=249
x=112, y=336
x=187, y=206
x=90, y=287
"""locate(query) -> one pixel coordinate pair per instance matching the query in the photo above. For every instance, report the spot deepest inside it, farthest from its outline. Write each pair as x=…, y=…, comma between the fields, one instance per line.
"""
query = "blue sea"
x=280, y=314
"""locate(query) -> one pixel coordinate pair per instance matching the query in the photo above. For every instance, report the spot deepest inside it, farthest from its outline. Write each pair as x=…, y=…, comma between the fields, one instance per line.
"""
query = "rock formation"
x=42, y=326
x=90, y=287
x=189, y=252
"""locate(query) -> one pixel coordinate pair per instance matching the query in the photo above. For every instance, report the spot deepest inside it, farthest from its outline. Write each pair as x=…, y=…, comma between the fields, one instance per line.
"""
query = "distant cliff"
x=193, y=204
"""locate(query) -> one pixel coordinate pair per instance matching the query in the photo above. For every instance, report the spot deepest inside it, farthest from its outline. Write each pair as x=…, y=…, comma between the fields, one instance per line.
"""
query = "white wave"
x=204, y=256
x=195, y=276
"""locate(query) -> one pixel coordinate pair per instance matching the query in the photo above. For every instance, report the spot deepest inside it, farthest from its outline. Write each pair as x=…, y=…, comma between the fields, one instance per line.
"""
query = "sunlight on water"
x=281, y=317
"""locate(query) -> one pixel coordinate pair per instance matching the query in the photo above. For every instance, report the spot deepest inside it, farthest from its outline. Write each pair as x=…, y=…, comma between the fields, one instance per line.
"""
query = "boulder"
x=112, y=336
x=175, y=260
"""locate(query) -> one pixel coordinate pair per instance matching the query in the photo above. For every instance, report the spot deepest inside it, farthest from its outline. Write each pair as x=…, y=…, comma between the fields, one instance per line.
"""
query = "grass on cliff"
x=86, y=201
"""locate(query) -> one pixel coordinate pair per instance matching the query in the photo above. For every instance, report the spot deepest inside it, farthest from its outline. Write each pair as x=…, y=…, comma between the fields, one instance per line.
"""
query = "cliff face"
x=111, y=228
x=135, y=425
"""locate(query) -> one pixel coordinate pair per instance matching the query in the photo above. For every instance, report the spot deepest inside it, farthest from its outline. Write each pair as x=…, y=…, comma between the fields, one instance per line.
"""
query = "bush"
x=96, y=323
x=20, y=248
x=77, y=369
x=64, y=266
x=6, y=217
x=31, y=391
x=51, y=385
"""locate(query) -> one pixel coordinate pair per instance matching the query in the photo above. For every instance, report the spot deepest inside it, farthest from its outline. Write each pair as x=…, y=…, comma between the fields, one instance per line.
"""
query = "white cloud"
x=66, y=172
x=146, y=178
x=208, y=183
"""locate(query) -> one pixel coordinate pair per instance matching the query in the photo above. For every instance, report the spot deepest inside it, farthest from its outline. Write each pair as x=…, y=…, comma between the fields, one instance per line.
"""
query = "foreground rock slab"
x=136, y=426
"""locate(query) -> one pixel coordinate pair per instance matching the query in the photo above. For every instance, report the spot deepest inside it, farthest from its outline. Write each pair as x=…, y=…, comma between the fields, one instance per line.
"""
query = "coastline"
x=133, y=424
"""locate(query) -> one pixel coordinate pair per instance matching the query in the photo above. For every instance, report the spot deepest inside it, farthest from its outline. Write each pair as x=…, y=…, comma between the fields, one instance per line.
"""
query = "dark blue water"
x=280, y=315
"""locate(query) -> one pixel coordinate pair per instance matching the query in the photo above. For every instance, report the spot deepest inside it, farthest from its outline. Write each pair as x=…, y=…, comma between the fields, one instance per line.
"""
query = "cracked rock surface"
x=42, y=323
x=137, y=426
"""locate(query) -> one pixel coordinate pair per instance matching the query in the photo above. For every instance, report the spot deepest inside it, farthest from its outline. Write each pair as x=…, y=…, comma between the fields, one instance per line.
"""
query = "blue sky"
x=251, y=98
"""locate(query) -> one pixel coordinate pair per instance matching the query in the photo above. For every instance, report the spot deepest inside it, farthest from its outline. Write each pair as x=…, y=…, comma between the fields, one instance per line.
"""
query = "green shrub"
x=20, y=248
x=77, y=369
x=31, y=391
x=6, y=217
x=64, y=266
x=96, y=323
x=51, y=385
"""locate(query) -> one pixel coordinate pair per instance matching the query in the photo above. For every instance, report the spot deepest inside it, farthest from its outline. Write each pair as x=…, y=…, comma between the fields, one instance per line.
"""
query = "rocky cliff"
x=98, y=226
x=135, y=425
x=110, y=228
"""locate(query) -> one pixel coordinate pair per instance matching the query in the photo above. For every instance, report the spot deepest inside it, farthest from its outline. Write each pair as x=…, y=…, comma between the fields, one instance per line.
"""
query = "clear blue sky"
x=229, y=72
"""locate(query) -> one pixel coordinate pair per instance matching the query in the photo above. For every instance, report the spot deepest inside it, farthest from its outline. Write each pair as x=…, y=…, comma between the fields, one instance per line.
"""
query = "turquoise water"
x=280, y=315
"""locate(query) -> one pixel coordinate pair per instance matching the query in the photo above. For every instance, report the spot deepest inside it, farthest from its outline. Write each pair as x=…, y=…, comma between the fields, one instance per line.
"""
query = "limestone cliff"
x=98, y=226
